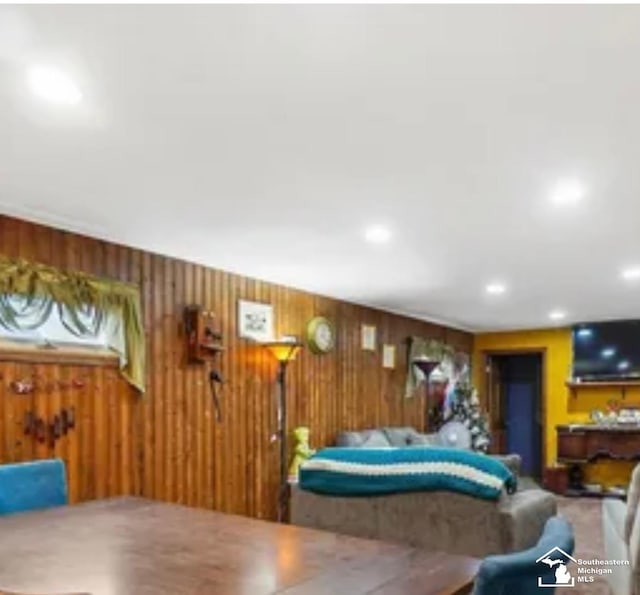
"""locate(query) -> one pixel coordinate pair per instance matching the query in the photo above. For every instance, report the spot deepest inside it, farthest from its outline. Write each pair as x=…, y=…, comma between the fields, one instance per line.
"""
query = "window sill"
x=14, y=351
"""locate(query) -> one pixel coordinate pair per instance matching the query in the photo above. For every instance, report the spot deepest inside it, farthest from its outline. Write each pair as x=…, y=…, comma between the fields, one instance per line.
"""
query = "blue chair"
x=519, y=573
x=32, y=486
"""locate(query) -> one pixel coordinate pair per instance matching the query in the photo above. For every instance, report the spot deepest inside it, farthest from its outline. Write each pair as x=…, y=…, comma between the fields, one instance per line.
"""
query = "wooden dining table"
x=133, y=546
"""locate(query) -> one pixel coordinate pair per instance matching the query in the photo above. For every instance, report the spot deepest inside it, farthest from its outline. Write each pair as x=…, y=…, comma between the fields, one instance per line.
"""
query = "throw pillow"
x=422, y=439
x=398, y=436
x=375, y=440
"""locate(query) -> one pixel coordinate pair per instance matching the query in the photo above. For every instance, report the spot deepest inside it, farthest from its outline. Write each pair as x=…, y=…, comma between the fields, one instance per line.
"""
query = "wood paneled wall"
x=167, y=444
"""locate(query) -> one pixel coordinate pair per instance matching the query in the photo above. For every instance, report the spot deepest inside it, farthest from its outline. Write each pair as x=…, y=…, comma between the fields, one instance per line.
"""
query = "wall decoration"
x=204, y=342
x=255, y=320
x=23, y=387
x=368, y=337
x=389, y=357
x=54, y=430
x=27, y=386
x=301, y=452
x=321, y=336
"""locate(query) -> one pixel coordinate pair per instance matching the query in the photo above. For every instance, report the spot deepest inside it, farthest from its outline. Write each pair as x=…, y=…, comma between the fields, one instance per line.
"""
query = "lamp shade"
x=284, y=350
x=425, y=365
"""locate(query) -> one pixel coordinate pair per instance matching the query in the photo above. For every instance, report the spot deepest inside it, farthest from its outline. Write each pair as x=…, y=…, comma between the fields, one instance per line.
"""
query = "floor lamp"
x=284, y=351
x=426, y=366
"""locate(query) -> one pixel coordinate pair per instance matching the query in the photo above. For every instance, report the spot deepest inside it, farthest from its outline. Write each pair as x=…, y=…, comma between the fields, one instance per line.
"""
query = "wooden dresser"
x=584, y=443
x=579, y=444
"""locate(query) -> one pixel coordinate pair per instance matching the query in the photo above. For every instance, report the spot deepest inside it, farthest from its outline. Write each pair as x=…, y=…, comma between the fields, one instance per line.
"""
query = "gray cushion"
x=423, y=439
x=613, y=521
x=375, y=439
x=352, y=439
x=614, y=512
x=633, y=497
x=398, y=436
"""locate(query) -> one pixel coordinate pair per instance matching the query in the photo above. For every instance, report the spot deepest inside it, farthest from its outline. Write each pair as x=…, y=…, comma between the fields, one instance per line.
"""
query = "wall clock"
x=321, y=336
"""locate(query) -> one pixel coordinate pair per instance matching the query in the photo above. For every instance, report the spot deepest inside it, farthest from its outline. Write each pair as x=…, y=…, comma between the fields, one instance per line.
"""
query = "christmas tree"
x=462, y=405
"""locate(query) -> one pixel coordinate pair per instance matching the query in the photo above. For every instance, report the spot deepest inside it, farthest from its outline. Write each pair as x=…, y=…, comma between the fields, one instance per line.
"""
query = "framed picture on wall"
x=389, y=356
x=255, y=320
x=368, y=337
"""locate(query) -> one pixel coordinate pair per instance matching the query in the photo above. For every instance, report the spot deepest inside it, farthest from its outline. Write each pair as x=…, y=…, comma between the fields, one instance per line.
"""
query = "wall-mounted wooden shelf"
x=621, y=385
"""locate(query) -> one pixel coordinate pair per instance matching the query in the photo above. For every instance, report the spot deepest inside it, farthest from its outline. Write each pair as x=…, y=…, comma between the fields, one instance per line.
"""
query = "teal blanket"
x=378, y=471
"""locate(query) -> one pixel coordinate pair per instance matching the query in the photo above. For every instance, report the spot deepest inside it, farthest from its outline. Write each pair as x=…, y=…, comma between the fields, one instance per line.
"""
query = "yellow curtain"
x=74, y=294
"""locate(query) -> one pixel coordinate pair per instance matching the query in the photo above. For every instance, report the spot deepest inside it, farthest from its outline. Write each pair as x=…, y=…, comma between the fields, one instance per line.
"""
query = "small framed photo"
x=368, y=337
x=389, y=357
x=255, y=321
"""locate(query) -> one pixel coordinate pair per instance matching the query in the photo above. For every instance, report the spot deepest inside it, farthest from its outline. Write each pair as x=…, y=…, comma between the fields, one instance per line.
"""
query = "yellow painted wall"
x=561, y=407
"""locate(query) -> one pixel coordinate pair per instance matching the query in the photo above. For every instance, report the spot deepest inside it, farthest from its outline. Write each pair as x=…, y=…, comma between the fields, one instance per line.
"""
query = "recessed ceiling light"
x=54, y=85
x=584, y=333
x=624, y=365
x=496, y=288
x=567, y=192
x=631, y=274
x=557, y=315
x=377, y=234
x=608, y=352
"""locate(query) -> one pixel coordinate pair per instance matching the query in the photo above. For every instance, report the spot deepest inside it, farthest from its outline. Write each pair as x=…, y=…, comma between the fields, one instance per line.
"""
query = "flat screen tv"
x=606, y=351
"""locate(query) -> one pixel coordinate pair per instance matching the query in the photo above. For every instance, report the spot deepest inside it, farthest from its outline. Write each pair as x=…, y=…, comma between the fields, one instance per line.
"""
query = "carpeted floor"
x=586, y=517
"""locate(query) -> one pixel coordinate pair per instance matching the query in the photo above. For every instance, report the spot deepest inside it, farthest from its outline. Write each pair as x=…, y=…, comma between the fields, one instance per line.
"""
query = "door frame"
x=542, y=352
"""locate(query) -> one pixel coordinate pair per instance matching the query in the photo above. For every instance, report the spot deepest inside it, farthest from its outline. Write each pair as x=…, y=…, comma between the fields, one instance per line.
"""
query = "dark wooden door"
x=495, y=405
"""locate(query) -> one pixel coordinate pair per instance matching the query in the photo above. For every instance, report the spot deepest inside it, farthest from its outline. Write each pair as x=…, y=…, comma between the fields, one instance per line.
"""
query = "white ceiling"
x=265, y=139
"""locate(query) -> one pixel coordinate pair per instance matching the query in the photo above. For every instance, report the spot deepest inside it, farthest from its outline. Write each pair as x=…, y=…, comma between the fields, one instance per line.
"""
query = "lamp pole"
x=284, y=350
x=282, y=434
x=426, y=366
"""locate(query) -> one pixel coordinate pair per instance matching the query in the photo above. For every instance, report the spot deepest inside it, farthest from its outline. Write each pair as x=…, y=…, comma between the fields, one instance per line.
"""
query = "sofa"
x=407, y=436
x=446, y=521
x=621, y=532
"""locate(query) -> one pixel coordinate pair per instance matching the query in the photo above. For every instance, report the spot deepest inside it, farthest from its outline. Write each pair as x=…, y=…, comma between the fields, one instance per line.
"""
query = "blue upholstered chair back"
x=33, y=485
x=518, y=573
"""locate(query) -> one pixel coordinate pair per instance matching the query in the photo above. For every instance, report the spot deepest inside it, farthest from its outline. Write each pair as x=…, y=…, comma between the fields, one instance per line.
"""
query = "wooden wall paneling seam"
x=159, y=379
x=227, y=391
x=195, y=400
x=178, y=279
x=135, y=424
x=144, y=406
x=239, y=432
x=111, y=378
x=209, y=413
x=249, y=443
x=121, y=397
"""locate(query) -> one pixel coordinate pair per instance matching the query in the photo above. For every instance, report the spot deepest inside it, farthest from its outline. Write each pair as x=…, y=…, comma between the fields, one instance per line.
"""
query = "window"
x=39, y=329
x=48, y=310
